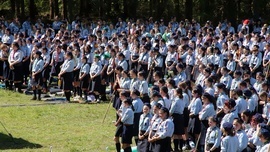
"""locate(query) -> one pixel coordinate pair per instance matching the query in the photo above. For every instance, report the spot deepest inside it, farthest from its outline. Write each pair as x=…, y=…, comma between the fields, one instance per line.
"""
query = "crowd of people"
x=200, y=87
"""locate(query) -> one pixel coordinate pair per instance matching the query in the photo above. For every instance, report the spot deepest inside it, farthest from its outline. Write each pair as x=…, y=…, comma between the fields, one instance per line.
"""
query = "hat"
x=230, y=103
x=97, y=56
x=246, y=22
x=107, y=55
x=227, y=126
x=247, y=93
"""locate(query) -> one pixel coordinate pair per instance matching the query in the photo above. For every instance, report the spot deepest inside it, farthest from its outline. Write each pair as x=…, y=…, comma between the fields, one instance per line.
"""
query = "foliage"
x=201, y=10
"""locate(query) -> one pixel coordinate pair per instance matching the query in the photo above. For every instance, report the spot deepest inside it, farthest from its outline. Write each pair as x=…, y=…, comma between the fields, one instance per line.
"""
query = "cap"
x=227, y=126
x=97, y=56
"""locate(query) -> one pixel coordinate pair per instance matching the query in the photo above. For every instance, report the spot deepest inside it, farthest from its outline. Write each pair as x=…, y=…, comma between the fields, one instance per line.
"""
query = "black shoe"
x=39, y=98
x=34, y=98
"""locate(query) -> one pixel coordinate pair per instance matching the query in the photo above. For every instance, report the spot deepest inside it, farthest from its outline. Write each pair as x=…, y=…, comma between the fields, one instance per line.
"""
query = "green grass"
x=66, y=127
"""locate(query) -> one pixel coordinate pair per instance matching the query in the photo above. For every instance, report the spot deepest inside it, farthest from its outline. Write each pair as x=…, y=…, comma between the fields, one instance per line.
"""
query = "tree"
x=64, y=10
x=56, y=8
x=51, y=9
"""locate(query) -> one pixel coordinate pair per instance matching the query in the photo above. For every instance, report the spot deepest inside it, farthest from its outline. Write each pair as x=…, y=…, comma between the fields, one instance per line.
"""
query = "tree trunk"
x=56, y=7
x=22, y=9
x=189, y=9
x=18, y=6
x=13, y=6
x=126, y=14
x=82, y=4
x=32, y=12
x=51, y=9
x=64, y=10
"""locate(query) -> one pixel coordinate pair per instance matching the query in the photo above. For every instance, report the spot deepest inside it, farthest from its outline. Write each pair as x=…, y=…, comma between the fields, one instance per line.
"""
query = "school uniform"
x=46, y=70
x=206, y=112
x=229, y=117
x=123, y=64
x=37, y=66
x=134, y=84
x=85, y=69
x=218, y=61
x=16, y=71
x=165, y=131
x=186, y=111
x=222, y=97
x=251, y=105
x=144, y=56
x=154, y=123
x=176, y=111
x=213, y=138
x=158, y=66
x=264, y=148
x=127, y=119
x=68, y=67
x=231, y=65
x=243, y=140
x=258, y=86
x=111, y=65
x=95, y=83
x=78, y=63
x=181, y=77
x=255, y=63
x=195, y=107
x=241, y=105
x=58, y=59
x=229, y=144
x=26, y=53
x=144, y=124
x=1, y=64
x=226, y=80
x=138, y=108
x=235, y=83
x=125, y=83
x=143, y=89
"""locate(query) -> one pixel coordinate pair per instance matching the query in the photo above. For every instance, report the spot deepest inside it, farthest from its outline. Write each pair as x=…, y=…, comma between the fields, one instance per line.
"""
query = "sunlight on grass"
x=65, y=127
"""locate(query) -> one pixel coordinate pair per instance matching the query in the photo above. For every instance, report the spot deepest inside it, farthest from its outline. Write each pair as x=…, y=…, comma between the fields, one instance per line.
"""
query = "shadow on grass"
x=6, y=143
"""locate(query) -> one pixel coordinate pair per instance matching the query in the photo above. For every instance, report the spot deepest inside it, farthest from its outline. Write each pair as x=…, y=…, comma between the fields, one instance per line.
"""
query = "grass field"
x=67, y=127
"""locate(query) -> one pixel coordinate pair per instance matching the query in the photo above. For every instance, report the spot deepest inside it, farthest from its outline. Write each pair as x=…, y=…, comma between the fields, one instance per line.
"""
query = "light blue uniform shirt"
x=95, y=68
x=255, y=61
x=195, y=106
x=37, y=65
x=155, y=121
x=229, y=117
x=143, y=89
x=226, y=80
x=213, y=136
x=125, y=83
x=218, y=60
x=229, y=144
x=207, y=112
x=134, y=84
x=258, y=86
x=177, y=106
x=251, y=104
x=231, y=65
x=159, y=60
x=221, y=100
x=138, y=105
x=235, y=83
x=165, y=129
x=144, y=122
x=243, y=140
x=186, y=99
x=85, y=68
x=123, y=64
x=68, y=66
x=241, y=105
x=127, y=116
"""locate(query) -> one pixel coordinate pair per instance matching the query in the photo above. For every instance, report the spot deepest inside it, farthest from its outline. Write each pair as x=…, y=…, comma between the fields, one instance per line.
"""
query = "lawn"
x=67, y=127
